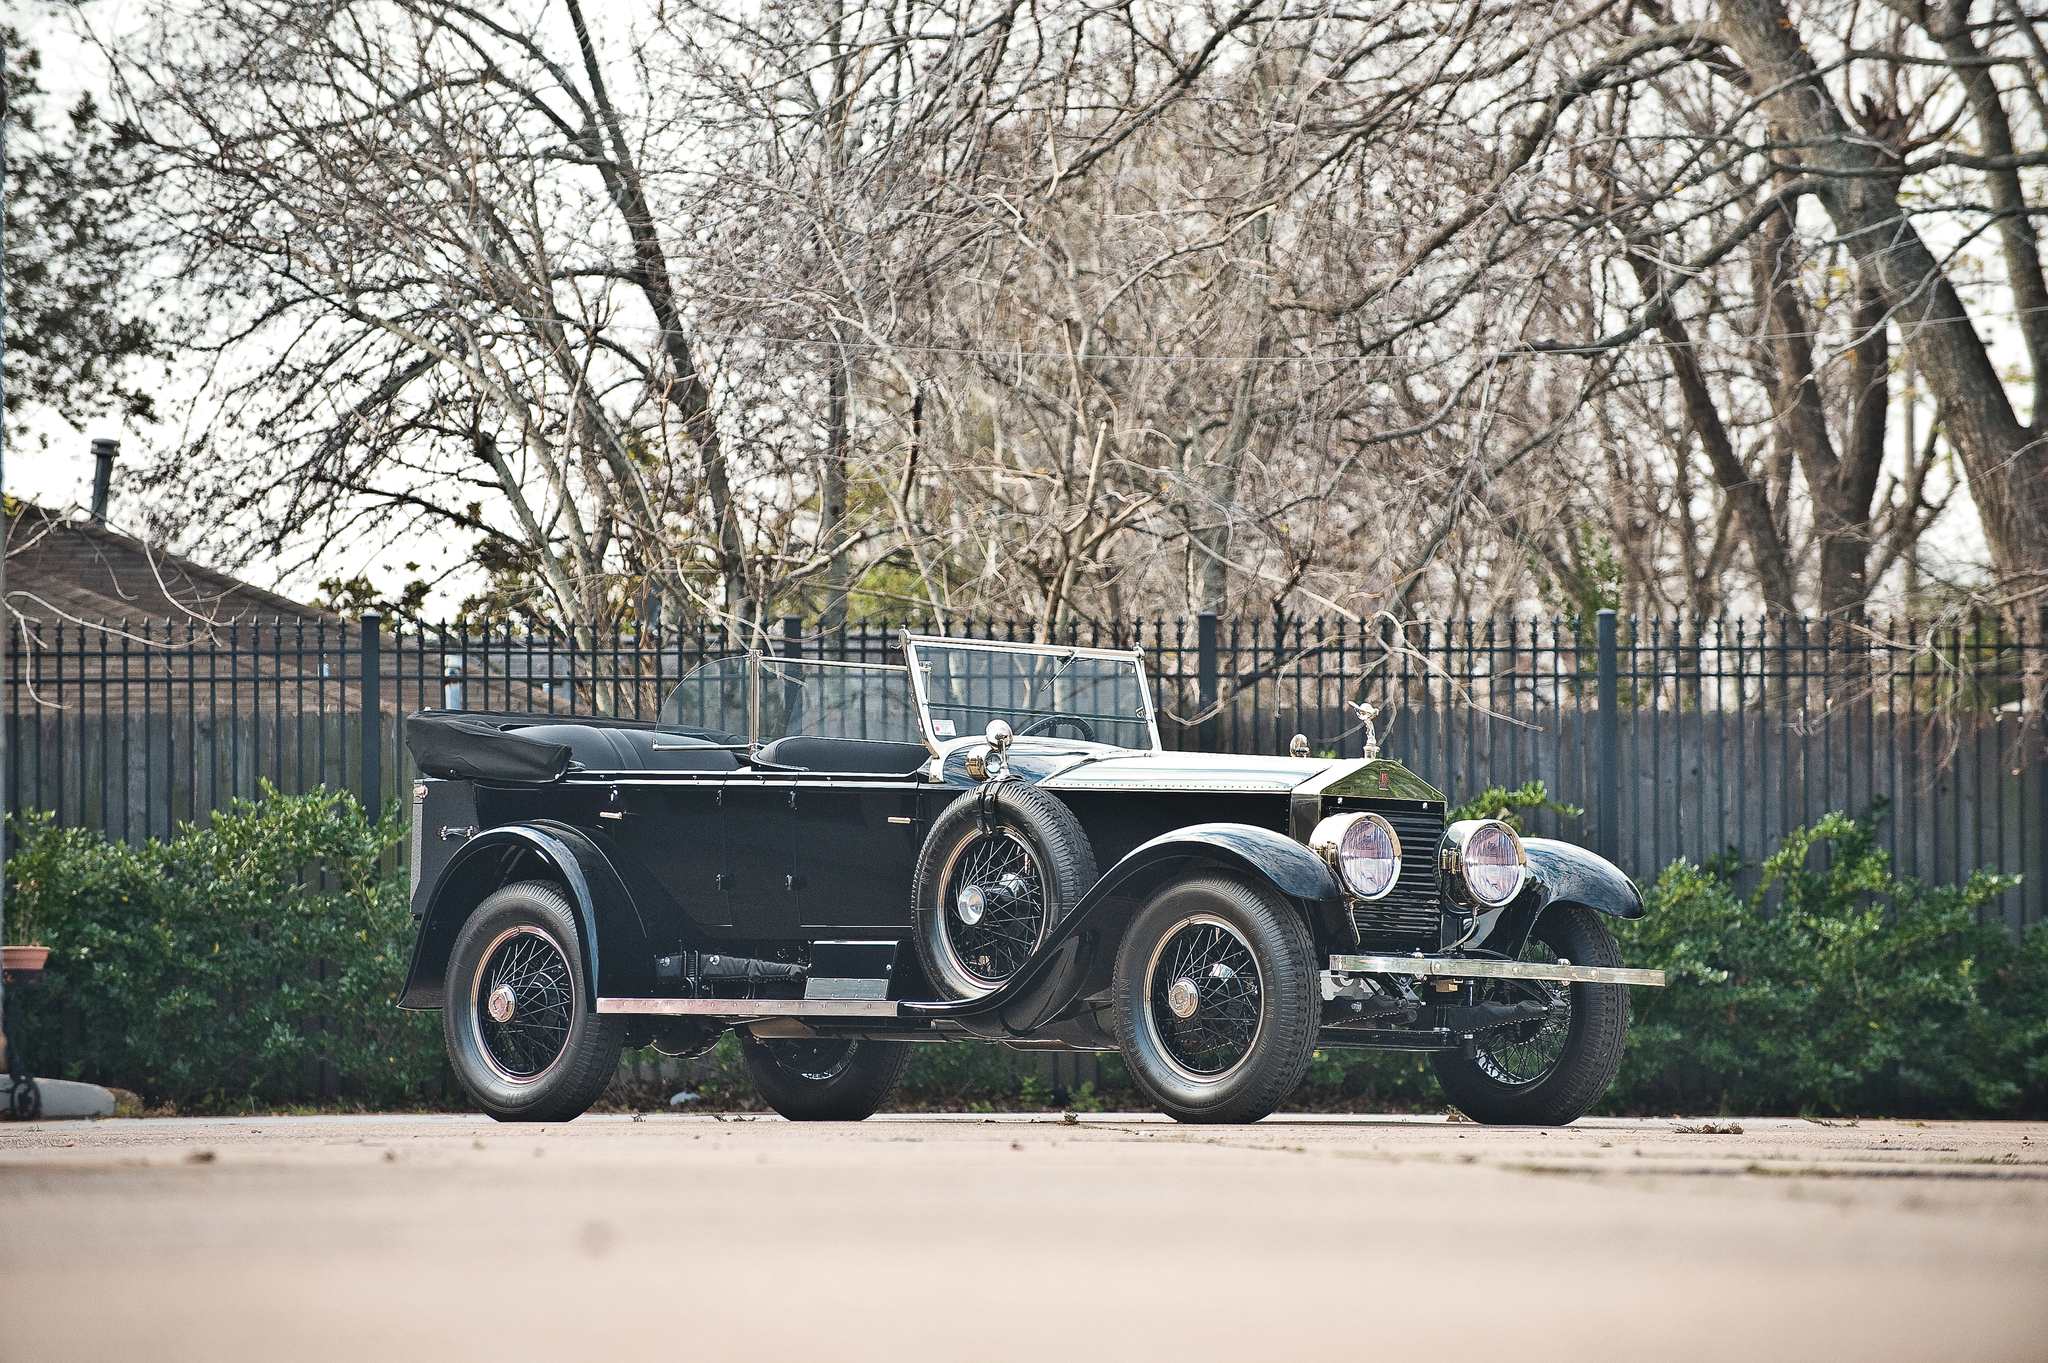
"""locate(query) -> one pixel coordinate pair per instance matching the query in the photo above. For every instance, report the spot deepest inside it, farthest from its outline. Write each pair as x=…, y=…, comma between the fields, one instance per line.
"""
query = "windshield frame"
x=755, y=658
x=1134, y=656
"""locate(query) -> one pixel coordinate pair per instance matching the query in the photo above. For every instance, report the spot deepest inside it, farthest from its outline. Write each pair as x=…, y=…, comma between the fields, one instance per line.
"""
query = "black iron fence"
x=1673, y=738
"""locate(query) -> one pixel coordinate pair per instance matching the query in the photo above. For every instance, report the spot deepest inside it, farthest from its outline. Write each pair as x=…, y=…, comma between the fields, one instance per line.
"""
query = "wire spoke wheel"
x=815, y=1061
x=1203, y=998
x=1548, y=1070
x=824, y=1079
x=524, y=1004
x=1524, y=1052
x=995, y=905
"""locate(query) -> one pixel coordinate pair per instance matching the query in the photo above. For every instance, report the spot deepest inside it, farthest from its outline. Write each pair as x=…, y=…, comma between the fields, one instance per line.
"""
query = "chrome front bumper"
x=1457, y=968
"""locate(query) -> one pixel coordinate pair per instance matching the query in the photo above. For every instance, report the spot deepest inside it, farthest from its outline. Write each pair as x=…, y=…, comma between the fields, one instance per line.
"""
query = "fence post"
x=1205, y=677
x=373, y=721
x=1608, y=799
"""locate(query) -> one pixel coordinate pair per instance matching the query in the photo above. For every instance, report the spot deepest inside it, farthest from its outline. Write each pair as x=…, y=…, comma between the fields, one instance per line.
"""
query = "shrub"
x=1498, y=802
x=1860, y=993
x=218, y=966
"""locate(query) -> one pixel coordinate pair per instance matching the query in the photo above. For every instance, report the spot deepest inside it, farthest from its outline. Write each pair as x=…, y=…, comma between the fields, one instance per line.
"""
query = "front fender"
x=539, y=850
x=1562, y=873
x=1079, y=955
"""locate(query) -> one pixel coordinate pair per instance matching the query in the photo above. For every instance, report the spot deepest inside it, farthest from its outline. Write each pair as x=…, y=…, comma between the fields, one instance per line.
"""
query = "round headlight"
x=1488, y=856
x=1363, y=850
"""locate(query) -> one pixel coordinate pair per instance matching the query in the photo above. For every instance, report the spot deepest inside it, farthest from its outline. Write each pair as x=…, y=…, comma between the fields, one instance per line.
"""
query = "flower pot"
x=22, y=966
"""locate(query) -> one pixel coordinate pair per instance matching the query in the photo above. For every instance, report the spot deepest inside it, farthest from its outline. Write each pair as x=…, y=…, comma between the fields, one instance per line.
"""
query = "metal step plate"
x=756, y=1008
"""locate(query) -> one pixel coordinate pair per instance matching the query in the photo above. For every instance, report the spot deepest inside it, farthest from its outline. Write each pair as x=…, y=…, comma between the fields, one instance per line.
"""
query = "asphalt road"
x=1020, y=1238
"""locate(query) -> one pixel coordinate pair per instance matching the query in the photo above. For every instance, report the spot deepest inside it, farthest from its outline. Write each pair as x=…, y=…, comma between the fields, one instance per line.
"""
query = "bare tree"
x=1065, y=312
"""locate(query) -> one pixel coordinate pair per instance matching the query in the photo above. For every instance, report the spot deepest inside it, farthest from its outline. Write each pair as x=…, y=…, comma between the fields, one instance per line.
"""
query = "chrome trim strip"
x=1005, y=646
x=755, y=1008
x=1456, y=968
x=1118, y=781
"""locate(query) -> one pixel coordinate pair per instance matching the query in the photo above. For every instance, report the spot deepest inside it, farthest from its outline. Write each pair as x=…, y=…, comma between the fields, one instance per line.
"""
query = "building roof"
x=68, y=569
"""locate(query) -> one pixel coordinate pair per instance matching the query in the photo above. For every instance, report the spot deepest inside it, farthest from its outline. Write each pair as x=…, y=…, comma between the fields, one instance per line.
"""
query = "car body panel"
x=1560, y=873
x=545, y=850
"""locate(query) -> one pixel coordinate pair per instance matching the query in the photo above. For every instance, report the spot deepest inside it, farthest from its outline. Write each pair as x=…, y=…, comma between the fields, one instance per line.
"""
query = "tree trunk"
x=2006, y=467
x=1752, y=507
x=832, y=496
x=1840, y=491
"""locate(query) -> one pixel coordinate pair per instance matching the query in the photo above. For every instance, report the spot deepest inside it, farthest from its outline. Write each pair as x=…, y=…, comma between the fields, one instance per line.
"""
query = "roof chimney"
x=103, y=451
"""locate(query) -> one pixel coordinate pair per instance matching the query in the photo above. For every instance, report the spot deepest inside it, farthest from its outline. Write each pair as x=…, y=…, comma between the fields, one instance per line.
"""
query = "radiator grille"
x=1407, y=919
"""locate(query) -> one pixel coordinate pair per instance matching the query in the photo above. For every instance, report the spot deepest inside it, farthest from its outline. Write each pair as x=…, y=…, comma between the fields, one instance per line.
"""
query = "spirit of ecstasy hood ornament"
x=1365, y=710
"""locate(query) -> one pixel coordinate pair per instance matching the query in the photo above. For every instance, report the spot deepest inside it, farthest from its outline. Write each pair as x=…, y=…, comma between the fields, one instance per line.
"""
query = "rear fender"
x=1561, y=873
x=1078, y=959
x=540, y=850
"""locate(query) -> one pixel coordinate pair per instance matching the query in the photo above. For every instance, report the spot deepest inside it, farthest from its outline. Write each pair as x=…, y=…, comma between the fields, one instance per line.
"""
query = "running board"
x=1459, y=968
x=756, y=1008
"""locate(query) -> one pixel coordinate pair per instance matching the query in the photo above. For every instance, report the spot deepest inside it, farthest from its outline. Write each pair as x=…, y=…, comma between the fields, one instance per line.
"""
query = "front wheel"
x=1215, y=1004
x=1550, y=1071
x=521, y=1034
x=826, y=1080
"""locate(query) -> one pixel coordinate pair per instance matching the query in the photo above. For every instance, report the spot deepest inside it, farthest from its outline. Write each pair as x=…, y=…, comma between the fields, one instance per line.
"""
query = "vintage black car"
x=835, y=860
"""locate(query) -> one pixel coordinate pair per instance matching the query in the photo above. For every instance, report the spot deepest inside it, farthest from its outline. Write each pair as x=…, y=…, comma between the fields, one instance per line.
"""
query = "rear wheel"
x=518, y=1022
x=1550, y=1071
x=1215, y=1003
x=826, y=1080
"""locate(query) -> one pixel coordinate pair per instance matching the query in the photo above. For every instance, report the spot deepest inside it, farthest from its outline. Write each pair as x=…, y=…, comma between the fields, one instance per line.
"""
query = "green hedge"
x=1858, y=993
x=214, y=969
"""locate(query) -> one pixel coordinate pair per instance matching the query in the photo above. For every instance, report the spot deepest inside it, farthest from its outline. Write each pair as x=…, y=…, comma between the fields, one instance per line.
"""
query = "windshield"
x=752, y=699
x=1091, y=695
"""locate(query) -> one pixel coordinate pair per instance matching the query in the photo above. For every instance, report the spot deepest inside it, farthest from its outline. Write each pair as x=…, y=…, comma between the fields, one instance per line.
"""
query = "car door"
x=672, y=832
x=856, y=853
x=759, y=871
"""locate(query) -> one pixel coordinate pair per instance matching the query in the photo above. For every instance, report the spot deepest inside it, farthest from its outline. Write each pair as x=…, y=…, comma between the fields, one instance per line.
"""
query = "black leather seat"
x=865, y=755
x=604, y=749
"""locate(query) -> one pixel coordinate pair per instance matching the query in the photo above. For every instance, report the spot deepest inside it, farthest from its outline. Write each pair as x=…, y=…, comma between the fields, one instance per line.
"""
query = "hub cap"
x=971, y=905
x=501, y=1003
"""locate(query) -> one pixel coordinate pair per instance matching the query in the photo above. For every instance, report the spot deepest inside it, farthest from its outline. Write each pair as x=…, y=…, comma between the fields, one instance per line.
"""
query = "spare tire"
x=1001, y=866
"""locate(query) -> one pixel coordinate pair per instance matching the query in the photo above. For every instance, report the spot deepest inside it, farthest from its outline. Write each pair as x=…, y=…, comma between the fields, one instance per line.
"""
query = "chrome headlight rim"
x=1452, y=870
x=1327, y=842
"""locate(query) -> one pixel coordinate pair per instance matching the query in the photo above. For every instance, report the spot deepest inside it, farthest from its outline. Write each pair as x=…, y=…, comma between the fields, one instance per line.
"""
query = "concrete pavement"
x=1014, y=1237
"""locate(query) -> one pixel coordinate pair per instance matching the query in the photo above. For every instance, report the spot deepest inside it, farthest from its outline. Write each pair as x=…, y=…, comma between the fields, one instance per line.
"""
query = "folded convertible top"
x=457, y=747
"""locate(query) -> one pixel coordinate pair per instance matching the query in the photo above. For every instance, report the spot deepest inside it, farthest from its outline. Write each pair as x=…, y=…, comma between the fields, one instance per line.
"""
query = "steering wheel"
x=1047, y=723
